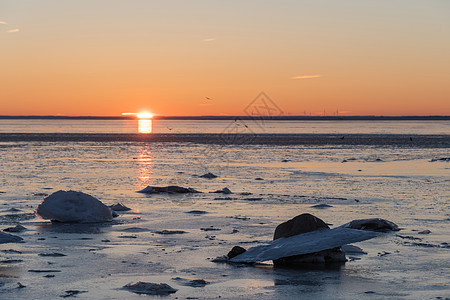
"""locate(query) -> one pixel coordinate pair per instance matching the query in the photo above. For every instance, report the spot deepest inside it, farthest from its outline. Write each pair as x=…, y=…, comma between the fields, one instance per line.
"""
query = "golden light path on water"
x=145, y=126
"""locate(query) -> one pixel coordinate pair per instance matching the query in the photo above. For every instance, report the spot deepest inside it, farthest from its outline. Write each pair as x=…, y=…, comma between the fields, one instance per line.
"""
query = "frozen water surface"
x=400, y=184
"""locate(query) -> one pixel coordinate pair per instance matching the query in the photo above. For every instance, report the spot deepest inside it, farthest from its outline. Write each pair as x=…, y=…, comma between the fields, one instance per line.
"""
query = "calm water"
x=409, y=186
x=200, y=126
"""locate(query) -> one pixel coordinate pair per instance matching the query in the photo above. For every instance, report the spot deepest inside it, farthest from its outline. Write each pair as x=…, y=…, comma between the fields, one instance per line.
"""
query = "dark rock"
x=225, y=190
x=375, y=224
x=329, y=256
x=425, y=232
x=321, y=206
x=17, y=228
x=235, y=251
x=170, y=232
x=172, y=189
x=197, y=212
x=150, y=288
x=119, y=207
x=302, y=224
x=9, y=238
x=210, y=229
x=196, y=283
x=55, y=254
x=72, y=293
x=208, y=176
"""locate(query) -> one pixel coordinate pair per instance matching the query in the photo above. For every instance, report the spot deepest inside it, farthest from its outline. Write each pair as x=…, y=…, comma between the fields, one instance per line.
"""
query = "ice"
x=72, y=206
x=305, y=243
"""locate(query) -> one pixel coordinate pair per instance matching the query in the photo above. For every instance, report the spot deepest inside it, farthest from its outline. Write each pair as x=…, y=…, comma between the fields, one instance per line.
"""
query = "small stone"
x=208, y=176
x=150, y=288
x=425, y=232
x=119, y=207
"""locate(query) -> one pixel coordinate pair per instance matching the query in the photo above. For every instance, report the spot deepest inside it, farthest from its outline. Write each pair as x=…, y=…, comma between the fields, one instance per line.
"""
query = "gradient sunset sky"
x=206, y=57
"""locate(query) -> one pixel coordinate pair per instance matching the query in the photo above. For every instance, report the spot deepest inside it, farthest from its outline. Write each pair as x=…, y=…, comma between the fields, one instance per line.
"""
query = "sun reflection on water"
x=145, y=126
x=145, y=167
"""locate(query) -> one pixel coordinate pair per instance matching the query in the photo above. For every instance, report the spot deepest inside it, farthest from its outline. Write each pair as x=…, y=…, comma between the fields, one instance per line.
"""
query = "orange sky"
x=206, y=57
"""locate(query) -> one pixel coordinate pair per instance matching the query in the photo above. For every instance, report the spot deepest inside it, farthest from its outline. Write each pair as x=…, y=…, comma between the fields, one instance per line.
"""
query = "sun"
x=144, y=115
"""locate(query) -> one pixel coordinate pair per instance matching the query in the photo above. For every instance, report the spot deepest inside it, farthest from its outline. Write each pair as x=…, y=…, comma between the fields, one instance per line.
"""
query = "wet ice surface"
x=161, y=240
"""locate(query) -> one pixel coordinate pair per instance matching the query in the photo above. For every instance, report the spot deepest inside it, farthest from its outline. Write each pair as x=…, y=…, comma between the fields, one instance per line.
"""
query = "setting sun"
x=144, y=115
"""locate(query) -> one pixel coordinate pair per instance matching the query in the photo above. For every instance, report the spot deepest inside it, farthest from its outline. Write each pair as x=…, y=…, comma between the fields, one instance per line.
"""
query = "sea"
x=337, y=170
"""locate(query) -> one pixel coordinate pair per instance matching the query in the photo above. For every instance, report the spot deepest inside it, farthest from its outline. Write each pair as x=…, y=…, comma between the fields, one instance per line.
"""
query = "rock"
x=321, y=206
x=17, y=228
x=9, y=238
x=172, y=189
x=119, y=207
x=196, y=283
x=235, y=251
x=208, y=176
x=197, y=212
x=329, y=256
x=55, y=254
x=74, y=207
x=302, y=224
x=150, y=288
x=425, y=232
x=170, y=231
x=225, y=190
x=375, y=224
x=72, y=293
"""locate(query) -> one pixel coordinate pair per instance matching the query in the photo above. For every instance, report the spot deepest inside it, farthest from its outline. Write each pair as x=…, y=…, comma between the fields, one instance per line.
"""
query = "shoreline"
x=236, y=139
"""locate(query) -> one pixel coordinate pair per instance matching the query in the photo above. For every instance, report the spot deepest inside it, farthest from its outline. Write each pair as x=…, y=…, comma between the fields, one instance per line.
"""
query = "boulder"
x=172, y=189
x=9, y=238
x=302, y=224
x=375, y=224
x=74, y=207
x=235, y=251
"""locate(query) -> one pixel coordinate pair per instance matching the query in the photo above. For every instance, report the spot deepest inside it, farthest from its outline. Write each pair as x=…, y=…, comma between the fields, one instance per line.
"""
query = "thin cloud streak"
x=13, y=30
x=306, y=76
x=209, y=40
x=3, y=23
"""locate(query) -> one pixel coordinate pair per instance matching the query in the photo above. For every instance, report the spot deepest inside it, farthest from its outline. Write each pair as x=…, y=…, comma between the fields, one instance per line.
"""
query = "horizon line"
x=229, y=117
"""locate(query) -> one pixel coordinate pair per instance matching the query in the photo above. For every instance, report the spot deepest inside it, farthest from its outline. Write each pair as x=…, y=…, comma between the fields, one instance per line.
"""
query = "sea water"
x=270, y=183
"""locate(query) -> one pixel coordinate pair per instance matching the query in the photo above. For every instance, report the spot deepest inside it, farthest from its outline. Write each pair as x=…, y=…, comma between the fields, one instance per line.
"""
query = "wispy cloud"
x=13, y=30
x=306, y=76
x=209, y=40
x=3, y=23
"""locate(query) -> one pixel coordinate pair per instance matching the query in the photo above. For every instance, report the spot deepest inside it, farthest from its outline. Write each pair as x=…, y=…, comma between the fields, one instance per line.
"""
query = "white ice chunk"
x=305, y=243
x=72, y=206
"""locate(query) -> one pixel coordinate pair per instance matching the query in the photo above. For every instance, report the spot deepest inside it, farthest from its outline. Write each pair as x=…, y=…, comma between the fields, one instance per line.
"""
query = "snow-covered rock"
x=72, y=206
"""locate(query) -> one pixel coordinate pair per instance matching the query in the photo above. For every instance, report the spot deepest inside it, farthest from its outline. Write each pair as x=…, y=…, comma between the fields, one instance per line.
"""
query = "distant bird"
x=207, y=98
x=169, y=128
x=342, y=137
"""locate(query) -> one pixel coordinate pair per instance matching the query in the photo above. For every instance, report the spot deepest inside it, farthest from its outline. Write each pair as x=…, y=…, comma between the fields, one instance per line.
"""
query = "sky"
x=213, y=57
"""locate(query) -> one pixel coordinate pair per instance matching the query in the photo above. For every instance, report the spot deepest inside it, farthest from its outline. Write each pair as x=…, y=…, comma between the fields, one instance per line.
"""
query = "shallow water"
x=403, y=185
